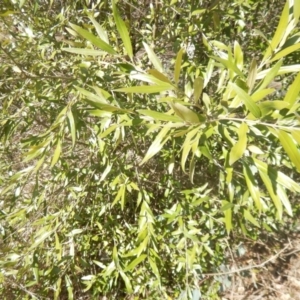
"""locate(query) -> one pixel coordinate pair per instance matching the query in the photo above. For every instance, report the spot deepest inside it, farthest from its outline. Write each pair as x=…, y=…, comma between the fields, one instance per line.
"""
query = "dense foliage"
x=136, y=137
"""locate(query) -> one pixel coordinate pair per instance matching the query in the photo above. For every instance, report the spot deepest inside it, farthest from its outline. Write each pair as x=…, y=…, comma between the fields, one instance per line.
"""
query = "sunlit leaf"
x=250, y=218
x=159, y=116
x=290, y=148
x=293, y=91
x=146, y=89
x=252, y=74
x=185, y=113
x=239, y=148
x=122, y=29
x=252, y=186
x=56, y=154
x=72, y=126
x=84, y=51
x=157, y=144
x=153, y=58
x=93, y=39
x=280, y=30
x=249, y=103
x=198, y=87
x=178, y=65
x=277, y=176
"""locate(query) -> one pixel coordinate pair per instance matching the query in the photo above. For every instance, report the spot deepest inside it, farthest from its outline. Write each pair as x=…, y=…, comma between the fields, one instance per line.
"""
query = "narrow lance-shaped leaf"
x=178, y=65
x=159, y=75
x=226, y=207
x=252, y=186
x=93, y=39
x=153, y=58
x=185, y=113
x=273, y=72
x=277, y=176
x=296, y=11
x=270, y=185
x=159, y=116
x=127, y=282
x=83, y=51
x=101, y=32
x=56, y=154
x=249, y=103
x=72, y=126
x=146, y=89
x=290, y=148
x=187, y=146
x=157, y=144
x=283, y=53
x=152, y=78
x=250, y=218
x=122, y=29
x=238, y=55
x=198, y=87
x=252, y=75
x=293, y=91
x=284, y=199
x=280, y=30
x=239, y=148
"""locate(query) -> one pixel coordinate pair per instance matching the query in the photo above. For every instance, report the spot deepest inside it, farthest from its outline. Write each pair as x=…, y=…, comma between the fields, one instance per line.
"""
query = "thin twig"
x=248, y=268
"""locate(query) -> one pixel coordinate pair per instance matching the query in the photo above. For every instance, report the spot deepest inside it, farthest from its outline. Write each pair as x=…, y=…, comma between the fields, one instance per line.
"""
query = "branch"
x=249, y=267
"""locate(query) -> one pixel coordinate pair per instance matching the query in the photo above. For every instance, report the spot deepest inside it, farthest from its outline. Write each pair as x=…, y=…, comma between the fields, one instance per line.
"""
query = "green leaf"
x=296, y=9
x=152, y=79
x=187, y=146
x=127, y=282
x=153, y=58
x=122, y=29
x=290, y=148
x=293, y=91
x=72, y=127
x=273, y=72
x=252, y=74
x=185, y=113
x=277, y=176
x=259, y=95
x=100, y=102
x=146, y=89
x=157, y=144
x=135, y=262
x=198, y=87
x=229, y=64
x=249, y=103
x=226, y=208
x=284, y=199
x=159, y=76
x=239, y=148
x=159, y=116
x=208, y=71
x=115, y=256
x=250, y=218
x=280, y=30
x=283, y=53
x=252, y=186
x=269, y=106
x=83, y=51
x=283, y=70
x=93, y=39
x=101, y=32
x=56, y=154
x=238, y=55
x=271, y=185
x=154, y=267
x=178, y=65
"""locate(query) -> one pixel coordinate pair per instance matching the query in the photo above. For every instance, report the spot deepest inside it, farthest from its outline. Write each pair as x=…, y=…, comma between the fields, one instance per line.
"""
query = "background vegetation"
x=143, y=143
